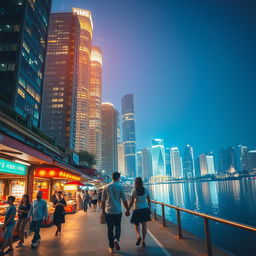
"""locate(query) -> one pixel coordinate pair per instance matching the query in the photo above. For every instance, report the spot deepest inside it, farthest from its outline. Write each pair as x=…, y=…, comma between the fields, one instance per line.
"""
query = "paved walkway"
x=83, y=235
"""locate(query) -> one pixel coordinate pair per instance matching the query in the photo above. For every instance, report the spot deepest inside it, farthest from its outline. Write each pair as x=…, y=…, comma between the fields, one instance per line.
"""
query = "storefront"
x=13, y=181
x=51, y=179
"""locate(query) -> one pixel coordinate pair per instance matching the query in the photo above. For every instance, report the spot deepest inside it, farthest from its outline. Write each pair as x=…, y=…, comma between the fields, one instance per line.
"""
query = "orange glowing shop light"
x=55, y=173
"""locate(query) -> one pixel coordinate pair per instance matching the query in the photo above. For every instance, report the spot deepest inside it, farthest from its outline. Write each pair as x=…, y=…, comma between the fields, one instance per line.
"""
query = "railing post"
x=179, y=228
x=155, y=218
x=163, y=215
x=207, y=237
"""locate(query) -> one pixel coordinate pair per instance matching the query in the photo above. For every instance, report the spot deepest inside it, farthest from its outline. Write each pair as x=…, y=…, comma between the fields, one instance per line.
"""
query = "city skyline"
x=195, y=57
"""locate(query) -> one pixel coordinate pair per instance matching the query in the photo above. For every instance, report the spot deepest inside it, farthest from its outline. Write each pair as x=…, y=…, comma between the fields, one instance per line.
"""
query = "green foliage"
x=86, y=158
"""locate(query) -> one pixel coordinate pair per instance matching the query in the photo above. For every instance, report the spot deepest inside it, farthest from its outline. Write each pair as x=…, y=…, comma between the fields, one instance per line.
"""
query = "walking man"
x=112, y=195
x=38, y=213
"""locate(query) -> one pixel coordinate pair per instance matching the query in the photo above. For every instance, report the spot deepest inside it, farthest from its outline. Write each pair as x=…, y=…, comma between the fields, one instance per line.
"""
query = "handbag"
x=103, y=218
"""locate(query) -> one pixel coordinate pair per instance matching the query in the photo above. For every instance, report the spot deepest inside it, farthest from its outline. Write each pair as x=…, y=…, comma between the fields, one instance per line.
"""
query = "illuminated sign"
x=82, y=12
x=54, y=173
x=12, y=168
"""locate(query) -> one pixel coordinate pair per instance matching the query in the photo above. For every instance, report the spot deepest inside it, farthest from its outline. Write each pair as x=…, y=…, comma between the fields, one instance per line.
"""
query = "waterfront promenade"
x=82, y=235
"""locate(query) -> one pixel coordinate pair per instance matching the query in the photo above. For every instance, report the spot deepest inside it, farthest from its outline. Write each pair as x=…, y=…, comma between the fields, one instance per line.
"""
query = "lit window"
x=3, y=67
x=21, y=92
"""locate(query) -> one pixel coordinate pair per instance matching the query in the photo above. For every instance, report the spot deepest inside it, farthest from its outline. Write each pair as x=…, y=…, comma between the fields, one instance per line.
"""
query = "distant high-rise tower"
x=188, y=162
x=168, y=161
x=176, y=163
x=146, y=164
x=121, y=165
x=23, y=35
x=158, y=157
x=95, y=90
x=65, y=113
x=129, y=139
x=206, y=164
x=109, y=139
x=227, y=159
x=139, y=163
x=242, y=157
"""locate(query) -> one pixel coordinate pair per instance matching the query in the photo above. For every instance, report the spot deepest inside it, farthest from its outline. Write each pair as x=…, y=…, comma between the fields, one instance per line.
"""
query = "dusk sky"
x=190, y=65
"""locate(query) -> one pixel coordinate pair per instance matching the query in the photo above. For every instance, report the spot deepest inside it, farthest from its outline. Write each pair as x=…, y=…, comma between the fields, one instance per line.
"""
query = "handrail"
x=221, y=220
x=206, y=218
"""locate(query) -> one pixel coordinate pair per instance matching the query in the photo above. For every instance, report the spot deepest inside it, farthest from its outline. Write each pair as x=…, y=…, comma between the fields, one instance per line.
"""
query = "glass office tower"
x=95, y=122
x=65, y=115
x=23, y=36
x=129, y=139
x=158, y=157
x=188, y=162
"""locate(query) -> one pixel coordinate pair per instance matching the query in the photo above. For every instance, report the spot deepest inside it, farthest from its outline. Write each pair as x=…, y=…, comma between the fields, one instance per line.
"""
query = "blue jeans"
x=113, y=221
x=85, y=206
x=36, y=225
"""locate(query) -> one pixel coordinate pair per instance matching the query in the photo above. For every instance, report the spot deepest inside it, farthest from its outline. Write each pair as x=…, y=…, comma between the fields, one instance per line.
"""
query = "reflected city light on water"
x=230, y=199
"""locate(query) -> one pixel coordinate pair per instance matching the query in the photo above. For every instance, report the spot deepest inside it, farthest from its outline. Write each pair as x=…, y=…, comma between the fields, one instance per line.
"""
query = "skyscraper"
x=95, y=90
x=168, y=161
x=251, y=160
x=67, y=79
x=121, y=166
x=206, y=164
x=129, y=139
x=146, y=164
x=188, y=162
x=23, y=36
x=109, y=138
x=242, y=157
x=227, y=159
x=158, y=157
x=176, y=163
x=139, y=159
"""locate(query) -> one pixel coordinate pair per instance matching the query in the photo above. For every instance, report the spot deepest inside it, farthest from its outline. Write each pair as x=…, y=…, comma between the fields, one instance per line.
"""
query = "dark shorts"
x=140, y=216
x=21, y=224
x=94, y=202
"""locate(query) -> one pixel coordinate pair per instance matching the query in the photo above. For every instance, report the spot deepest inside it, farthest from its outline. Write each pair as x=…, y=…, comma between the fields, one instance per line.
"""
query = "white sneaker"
x=116, y=244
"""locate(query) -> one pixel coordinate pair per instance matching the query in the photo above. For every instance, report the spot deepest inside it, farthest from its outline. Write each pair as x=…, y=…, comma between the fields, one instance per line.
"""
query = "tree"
x=86, y=158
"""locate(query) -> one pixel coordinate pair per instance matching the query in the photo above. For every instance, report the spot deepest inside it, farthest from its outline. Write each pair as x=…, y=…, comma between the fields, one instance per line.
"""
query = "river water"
x=231, y=199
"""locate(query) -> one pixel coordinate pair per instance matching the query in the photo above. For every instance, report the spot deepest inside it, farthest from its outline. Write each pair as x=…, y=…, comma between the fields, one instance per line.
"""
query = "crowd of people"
x=108, y=199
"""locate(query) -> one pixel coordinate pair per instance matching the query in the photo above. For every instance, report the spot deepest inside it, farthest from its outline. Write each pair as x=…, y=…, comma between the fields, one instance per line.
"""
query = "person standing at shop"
x=23, y=211
x=38, y=213
x=8, y=227
x=59, y=213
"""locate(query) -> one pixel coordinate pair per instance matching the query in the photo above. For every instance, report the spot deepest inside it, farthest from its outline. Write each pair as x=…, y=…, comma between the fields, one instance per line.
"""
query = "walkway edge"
x=159, y=244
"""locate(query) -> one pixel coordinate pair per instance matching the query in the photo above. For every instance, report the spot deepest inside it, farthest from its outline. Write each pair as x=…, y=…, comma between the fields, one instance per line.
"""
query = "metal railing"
x=206, y=219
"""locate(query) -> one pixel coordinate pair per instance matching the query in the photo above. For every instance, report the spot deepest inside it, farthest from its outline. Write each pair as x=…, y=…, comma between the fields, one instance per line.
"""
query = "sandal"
x=138, y=241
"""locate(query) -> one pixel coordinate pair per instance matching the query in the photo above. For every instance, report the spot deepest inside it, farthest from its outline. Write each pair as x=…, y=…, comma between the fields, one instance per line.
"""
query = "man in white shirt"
x=112, y=195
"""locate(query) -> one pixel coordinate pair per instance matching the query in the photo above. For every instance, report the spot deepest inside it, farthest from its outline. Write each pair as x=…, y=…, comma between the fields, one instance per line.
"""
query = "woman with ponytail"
x=141, y=211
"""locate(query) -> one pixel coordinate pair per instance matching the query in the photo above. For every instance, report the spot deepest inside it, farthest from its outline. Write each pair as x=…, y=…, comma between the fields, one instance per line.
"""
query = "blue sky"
x=190, y=65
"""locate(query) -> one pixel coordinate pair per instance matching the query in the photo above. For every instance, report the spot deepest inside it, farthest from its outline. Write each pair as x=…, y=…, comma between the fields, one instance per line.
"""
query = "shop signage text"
x=12, y=168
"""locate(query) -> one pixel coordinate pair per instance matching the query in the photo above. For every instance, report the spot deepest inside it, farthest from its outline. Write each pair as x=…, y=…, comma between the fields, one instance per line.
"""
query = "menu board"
x=18, y=189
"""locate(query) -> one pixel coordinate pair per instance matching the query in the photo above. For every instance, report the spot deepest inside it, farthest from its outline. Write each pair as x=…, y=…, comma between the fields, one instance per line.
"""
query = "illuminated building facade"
x=206, y=164
x=129, y=138
x=23, y=36
x=146, y=164
x=176, y=163
x=139, y=160
x=65, y=115
x=158, y=157
x=95, y=122
x=109, y=139
x=121, y=165
x=168, y=161
x=242, y=157
x=188, y=162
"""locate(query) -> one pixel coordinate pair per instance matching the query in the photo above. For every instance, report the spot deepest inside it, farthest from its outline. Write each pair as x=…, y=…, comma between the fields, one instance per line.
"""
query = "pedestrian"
x=54, y=196
x=59, y=213
x=86, y=200
x=38, y=213
x=112, y=195
x=141, y=211
x=8, y=226
x=79, y=199
x=23, y=211
x=99, y=197
x=94, y=199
